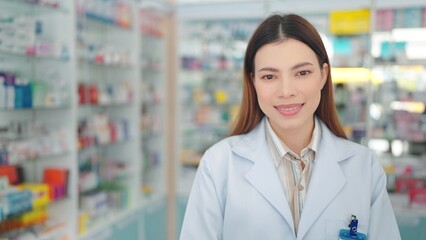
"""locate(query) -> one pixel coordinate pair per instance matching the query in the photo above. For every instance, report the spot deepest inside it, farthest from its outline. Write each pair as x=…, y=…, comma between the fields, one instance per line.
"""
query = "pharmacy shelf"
x=38, y=109
x=107, y=62
x=87, y=37
x=248, y=9
x=102, y=229
x=26, y=7
x=29, y=57
x=38, y=48
x=258, y=10
x=152, y=109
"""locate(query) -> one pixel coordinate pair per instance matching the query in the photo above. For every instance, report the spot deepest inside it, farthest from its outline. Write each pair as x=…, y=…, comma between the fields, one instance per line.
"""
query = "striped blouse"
x=294, y=171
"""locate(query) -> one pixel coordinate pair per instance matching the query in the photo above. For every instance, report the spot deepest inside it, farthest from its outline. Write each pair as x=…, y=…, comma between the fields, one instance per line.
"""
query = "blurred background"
x=106, y=106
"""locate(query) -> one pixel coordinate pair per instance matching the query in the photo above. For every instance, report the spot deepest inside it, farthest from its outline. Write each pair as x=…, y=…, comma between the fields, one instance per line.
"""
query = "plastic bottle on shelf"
x=123, y=15
x=2, y=92
x=49, y=3
x=422, y=123
x=4, y=155
x=9, y=83
x=27, y=95
x=19, y=93
x=39, y=91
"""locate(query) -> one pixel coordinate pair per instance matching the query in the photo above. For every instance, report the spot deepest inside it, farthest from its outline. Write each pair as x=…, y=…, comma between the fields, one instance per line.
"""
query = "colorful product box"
x=57, y=179
x=25, y=220
x=406, y=184
x=14, y=202
x=418, y=198
x=41, y=193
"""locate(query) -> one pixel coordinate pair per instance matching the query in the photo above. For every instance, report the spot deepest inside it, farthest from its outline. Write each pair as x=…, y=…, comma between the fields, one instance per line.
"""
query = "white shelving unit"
x=108, y=114
x=152, y=108
x=91, y=87
x=37, y=114
x=154, y=116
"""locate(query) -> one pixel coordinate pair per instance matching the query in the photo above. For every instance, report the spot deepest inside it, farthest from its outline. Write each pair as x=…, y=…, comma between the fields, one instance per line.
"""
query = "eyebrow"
x=268, y=69
x=299, y=65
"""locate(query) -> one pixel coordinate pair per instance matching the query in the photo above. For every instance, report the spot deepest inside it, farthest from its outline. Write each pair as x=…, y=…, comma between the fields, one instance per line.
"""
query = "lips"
x=289, y=109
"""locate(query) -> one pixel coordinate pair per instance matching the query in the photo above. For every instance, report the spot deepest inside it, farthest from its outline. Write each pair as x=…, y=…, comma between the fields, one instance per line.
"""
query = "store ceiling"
x=217, y=1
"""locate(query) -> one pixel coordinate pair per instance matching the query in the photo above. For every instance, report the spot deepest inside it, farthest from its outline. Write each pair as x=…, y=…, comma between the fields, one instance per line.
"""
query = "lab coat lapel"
x=263, y=175
x=327, y=179
x=267, y=183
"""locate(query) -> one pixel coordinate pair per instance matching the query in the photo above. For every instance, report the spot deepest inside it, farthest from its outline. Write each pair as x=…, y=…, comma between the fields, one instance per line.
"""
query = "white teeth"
x=288, y=109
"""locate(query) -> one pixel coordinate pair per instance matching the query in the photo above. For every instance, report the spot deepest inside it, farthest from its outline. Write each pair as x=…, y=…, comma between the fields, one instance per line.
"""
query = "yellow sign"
x=350, y=22
x=350, y=75
x=354, y=75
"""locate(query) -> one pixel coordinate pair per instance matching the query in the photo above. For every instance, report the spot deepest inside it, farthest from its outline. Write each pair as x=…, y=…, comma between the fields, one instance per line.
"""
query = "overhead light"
x=379, y=145
x=397, y=147
x=375, y=111
x=409, y=34
x=415, y=50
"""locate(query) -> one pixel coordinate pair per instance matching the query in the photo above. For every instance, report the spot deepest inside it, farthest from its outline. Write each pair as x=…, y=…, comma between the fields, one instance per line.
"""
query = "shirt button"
x=300, y=187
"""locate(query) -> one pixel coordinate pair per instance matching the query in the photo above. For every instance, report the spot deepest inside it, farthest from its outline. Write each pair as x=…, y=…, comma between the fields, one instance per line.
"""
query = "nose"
x=286, y=88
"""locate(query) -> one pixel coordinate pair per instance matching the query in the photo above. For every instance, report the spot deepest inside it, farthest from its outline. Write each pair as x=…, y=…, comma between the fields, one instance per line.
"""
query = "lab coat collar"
x=253, y=147
x=326, y=181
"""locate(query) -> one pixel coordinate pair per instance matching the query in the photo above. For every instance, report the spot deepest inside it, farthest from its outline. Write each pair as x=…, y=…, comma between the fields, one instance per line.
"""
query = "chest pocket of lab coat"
x=333, y=226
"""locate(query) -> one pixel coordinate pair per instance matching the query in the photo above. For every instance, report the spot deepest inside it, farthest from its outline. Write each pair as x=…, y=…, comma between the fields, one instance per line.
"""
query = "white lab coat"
x=237, y=195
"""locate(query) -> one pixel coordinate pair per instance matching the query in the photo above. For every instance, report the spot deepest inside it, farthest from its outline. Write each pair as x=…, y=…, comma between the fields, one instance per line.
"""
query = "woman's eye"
x=268, y=77
x=303, y=73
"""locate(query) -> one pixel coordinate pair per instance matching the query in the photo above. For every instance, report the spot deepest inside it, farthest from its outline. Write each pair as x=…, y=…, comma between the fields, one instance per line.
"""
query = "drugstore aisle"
x=82, y=119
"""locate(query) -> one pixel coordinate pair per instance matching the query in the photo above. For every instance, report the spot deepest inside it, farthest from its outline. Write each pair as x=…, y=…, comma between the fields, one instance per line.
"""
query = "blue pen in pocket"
x=352, y=233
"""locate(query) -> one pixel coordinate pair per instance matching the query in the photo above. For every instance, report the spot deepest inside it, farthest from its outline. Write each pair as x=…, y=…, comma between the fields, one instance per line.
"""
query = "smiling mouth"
x=289, y=110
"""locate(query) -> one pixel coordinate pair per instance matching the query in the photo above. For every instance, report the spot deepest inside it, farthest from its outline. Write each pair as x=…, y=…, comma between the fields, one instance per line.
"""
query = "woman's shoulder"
x=220, y=154
x=225, y=145
x=357, y=151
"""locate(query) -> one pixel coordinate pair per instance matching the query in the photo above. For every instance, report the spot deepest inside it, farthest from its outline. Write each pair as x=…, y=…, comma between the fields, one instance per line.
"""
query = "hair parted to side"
x=273, y=29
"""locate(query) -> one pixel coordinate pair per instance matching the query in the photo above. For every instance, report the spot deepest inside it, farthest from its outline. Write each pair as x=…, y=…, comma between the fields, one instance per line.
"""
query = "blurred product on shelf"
x=25, y=35
x=21, y=93
x=49, y=3
x=151, y=23
x=102, y=188
x=57, y=180
x=104, y=94
x=24, y=204
x=111, y=12
x=27, y=140
x=99, y=129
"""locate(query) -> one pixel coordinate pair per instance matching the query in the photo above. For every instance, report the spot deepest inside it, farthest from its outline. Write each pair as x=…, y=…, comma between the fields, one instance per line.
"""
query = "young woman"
x=287, y=171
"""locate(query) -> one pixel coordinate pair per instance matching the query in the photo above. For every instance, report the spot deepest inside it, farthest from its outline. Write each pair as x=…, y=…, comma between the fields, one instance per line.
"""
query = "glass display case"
x=36, y=120
x=107, y=114
x=211, y=57
x=397, y=112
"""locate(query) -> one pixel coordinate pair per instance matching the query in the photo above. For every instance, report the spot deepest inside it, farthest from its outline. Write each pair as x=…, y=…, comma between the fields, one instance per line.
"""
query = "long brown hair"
x=274, y=29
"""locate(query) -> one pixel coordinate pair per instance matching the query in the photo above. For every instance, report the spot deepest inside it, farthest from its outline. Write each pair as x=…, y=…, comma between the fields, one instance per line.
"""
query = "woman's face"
x=288, y=81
